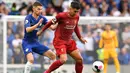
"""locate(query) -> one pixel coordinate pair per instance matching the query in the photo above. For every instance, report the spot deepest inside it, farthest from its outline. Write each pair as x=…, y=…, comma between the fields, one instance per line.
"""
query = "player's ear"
x=33, y=8
x=70, y=8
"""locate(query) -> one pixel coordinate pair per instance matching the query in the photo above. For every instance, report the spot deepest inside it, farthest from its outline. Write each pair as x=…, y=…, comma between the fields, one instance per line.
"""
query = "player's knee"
x=53, y=57
x=63, y=60
x=80, y=60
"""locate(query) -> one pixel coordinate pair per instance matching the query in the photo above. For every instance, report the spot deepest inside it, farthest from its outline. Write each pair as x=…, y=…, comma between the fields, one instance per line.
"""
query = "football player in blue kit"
x=33, y=22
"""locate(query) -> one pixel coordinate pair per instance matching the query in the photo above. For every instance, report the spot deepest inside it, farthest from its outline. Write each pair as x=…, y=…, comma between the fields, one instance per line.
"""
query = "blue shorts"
x=30, y=47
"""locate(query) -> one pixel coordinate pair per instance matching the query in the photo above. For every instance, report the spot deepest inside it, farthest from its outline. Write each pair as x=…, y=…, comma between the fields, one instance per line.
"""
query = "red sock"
x=54, y=66
x=78, y=67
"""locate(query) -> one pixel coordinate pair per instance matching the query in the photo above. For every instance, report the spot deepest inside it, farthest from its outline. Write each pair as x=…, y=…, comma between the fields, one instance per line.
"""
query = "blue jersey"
x=30, y=41
x=30, y=21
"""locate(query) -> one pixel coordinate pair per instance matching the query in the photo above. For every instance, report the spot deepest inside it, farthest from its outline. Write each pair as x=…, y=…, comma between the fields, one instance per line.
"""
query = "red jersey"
x=63, y=34
x=66, y=26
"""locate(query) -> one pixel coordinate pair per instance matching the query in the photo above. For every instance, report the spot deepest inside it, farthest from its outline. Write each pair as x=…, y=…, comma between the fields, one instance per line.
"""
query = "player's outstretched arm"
x=79, y=35
x=44, y=28
x=83, y=40
x=53, y=26
x=53, y=21
x=29, y=29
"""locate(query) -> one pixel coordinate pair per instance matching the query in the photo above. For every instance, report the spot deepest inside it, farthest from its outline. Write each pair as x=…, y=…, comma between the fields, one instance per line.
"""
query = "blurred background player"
x=30, y=44
x=63, y=43
x=109, y=43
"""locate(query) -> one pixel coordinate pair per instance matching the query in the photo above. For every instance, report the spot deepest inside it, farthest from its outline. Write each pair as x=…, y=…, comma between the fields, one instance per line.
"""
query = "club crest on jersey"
x=27, y=50
x=26, y=21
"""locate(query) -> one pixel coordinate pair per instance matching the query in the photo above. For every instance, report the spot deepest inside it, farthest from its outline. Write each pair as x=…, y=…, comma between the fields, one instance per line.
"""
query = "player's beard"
x=72, y=14
x=37, y=14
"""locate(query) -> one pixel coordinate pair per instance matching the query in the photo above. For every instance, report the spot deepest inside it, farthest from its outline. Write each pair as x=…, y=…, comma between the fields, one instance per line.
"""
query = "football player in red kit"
x=63, y=42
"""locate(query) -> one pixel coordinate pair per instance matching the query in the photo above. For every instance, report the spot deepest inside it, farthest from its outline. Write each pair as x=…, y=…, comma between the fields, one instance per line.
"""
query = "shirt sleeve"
x=77, y=29
x=77, y=32
x=27, y=22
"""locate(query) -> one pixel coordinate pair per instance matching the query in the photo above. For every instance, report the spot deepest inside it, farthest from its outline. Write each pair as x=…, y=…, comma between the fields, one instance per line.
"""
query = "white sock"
x=28, y=67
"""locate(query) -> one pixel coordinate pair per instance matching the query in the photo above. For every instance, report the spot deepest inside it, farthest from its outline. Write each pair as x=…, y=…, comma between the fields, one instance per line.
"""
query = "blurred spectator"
x=12, y=25
x=20, y=29
x=89, y=46
x=23, y=9
x=9, y=54
x=88, y=28
x=17, y=41
x=86, y=11
x=14, y=11
x=57, y=4
x=65, y=5
x=88, y=7
x=125, y=34
x=103, y=9
x=50, y=11
x=17, y=54
x=99, y=28
x=124, y=56
x=123, y=5
x=115, y=10
x=3, y=8
x=96, y=36
x=90, y=2
x=125, y=9
x=110, y=6
x=29, y=8
x=17, y=57
x=10, y=38
x=94, y=10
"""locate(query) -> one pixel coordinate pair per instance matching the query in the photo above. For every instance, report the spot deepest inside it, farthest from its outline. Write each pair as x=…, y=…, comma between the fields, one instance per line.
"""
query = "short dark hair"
x=108, y=24
x=37, y=4
x=75, y=4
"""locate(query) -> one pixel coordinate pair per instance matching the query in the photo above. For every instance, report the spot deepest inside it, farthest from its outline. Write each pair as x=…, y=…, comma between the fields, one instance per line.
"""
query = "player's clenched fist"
x=39, y=33
x=40, y=21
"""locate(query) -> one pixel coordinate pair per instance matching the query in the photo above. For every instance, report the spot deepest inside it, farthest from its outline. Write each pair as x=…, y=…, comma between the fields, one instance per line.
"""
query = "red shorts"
x=64, y=47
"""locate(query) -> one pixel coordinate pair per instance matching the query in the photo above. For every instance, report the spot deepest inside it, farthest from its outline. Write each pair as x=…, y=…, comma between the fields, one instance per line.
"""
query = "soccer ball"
x=98, y=66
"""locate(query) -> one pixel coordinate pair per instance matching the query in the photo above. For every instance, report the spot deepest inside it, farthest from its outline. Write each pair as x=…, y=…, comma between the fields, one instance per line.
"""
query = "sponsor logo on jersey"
x=69, y=26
